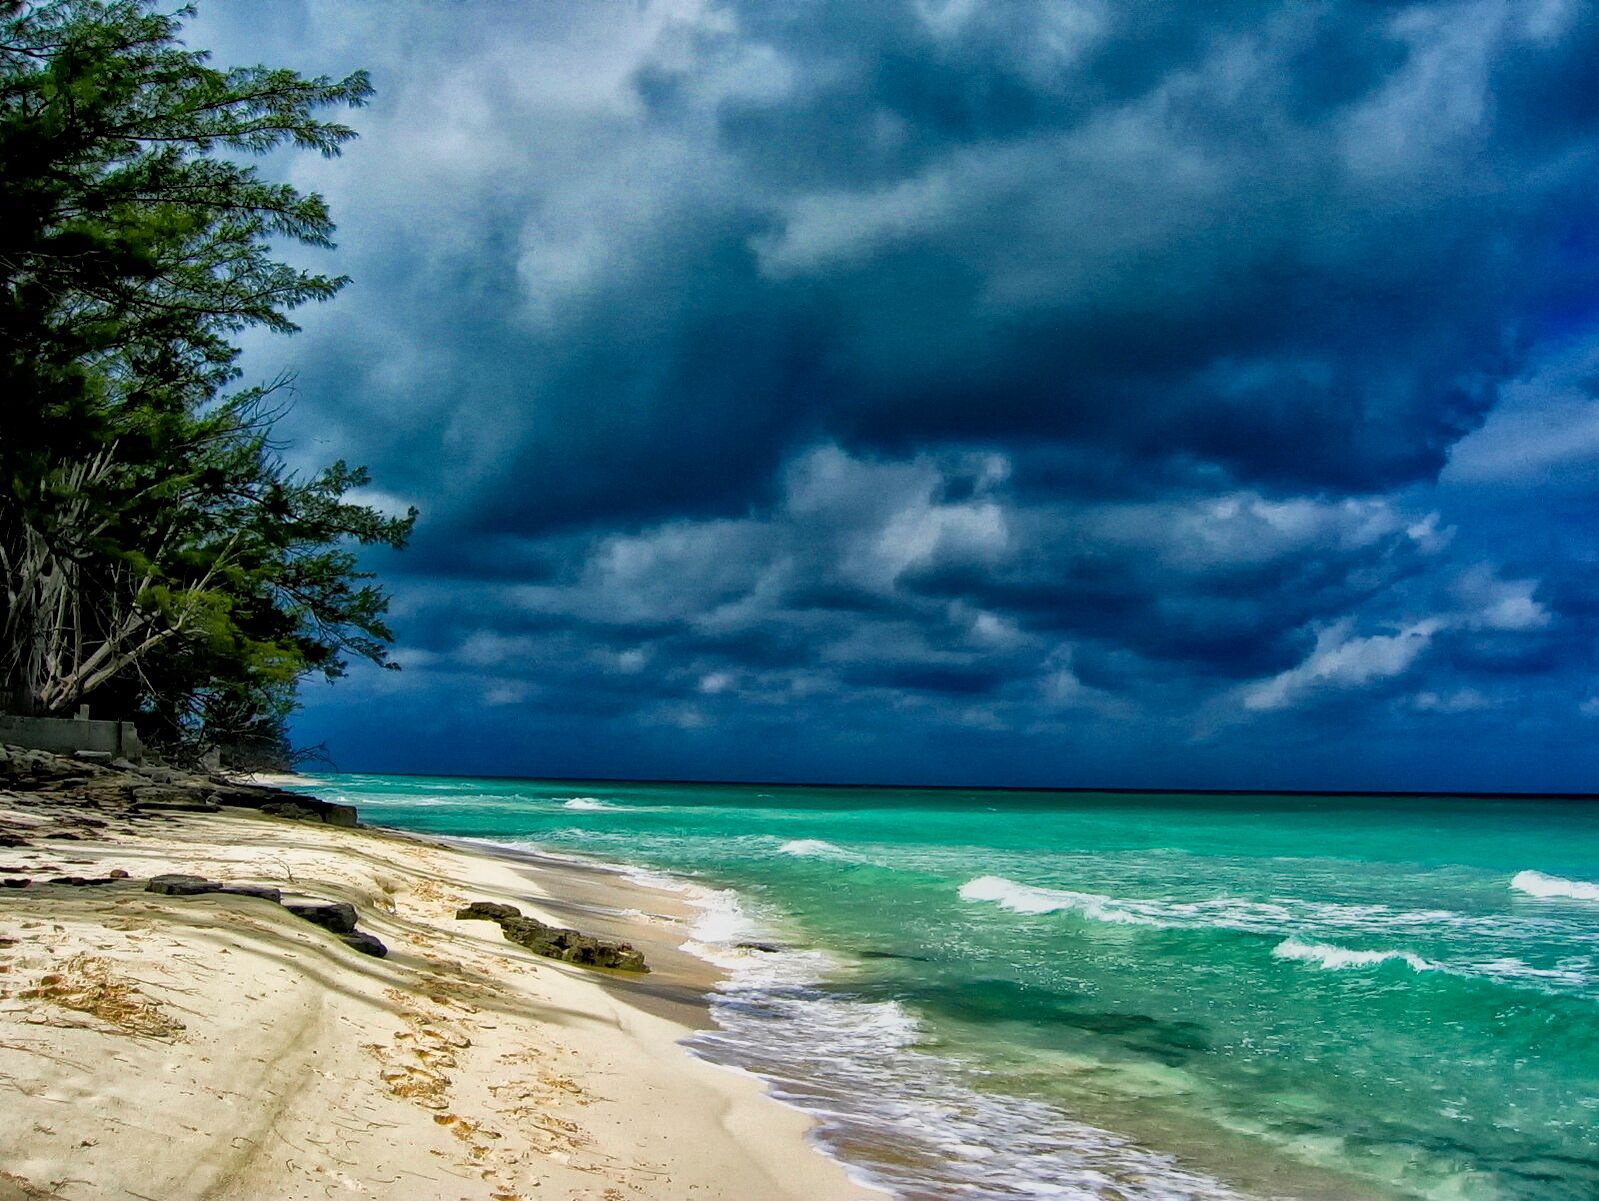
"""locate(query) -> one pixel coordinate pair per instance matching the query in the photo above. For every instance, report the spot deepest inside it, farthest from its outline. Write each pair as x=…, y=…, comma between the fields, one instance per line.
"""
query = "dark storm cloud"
x=1303, y=243
x=1073, y=375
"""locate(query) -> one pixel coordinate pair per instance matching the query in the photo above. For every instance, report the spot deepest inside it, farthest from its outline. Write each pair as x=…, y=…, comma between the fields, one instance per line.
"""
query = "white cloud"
x=1238, y=530
x=1461, y=700
x=992, y=629
x=1491, y=603
x=506, y=692
x=1484, y=601
x=1545, y=429
x=631, y=661
x=1416, y=124
x=1340, y=660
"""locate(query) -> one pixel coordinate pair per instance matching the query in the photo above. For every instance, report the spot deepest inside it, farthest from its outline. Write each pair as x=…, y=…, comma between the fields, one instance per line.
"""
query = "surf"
x=1538, y=884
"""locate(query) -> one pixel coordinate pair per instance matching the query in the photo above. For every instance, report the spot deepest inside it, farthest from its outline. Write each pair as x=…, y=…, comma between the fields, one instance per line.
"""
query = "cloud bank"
x=1062, y=392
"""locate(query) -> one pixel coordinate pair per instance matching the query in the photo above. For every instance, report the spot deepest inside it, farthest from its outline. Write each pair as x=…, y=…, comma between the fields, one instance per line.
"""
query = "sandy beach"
x=218, y=1046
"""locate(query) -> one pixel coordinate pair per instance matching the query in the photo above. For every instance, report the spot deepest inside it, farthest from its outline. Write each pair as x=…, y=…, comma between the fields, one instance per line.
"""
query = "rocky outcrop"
x=337, y=917
x=554, y=941
x=83, y=881
x=367, y=944
x=145, y=790
x=175, y=885
x=491, y=911
x=312, y=809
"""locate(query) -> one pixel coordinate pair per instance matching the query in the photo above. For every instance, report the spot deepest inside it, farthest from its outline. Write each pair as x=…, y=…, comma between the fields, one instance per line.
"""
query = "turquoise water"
x=997, y=994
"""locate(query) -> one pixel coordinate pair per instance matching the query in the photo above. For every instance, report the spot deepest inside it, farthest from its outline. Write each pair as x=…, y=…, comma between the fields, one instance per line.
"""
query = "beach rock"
x=118, y=873
x=155, y=794
x=367, y=944
x=183, y=806
x=292, y=810
x=337, y=916
x=769, y=948
x=491, y=911
x=309, y=809
x=250, y=890
x=246, y=798
x=571, y=946
x=555, y=942
x=175, y=884
x=15, y=882
x=92, y=756
x=178, y=885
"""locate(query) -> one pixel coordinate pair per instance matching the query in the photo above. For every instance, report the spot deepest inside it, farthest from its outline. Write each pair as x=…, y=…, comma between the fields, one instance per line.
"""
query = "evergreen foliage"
x=157, y=556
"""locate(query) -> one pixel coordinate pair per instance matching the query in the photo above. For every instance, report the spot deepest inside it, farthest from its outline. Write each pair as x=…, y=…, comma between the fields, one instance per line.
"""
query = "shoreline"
x=218, y=1046
x=928, y=1124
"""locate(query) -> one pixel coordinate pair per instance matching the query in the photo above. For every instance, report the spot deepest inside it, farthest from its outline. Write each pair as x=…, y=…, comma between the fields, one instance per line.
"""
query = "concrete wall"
x=67, y=734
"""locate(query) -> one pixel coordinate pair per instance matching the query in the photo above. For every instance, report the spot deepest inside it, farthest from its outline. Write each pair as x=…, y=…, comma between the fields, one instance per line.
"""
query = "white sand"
x=220, y=1047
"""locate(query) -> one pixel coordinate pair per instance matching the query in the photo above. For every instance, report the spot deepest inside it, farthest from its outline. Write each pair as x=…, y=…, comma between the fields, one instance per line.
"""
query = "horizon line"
x=1073, y=789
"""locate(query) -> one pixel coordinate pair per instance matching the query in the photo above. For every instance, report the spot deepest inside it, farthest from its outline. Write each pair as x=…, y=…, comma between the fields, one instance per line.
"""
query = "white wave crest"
x=585, y=802
x=1340, y=959
x=722, y=919
x=1538, y=884
x=1574, y=973
x=813, y=847
x=1028, y=898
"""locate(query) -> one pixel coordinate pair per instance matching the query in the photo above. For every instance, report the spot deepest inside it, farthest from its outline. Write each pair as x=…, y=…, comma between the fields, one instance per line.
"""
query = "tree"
x=155, y=551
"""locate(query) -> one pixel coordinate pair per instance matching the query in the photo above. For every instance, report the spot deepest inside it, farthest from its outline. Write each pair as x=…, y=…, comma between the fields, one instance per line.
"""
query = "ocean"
x=1139, y=997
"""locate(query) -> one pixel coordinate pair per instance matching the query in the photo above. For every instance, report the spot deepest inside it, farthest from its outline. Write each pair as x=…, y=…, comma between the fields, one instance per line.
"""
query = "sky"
x=1070, y=393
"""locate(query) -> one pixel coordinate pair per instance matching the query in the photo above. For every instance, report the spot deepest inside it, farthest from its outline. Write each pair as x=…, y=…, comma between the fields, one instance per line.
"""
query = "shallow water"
x=1045, y=995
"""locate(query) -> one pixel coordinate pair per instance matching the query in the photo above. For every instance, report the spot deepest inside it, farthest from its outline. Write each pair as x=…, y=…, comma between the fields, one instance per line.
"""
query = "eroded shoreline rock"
x=555, y=942
x=44, y=795
x=337, y=917
x=73, y=784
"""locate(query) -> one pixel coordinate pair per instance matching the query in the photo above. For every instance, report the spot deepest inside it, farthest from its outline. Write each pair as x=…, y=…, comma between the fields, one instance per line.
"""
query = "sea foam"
x=816, y=1048
x=815, y=848
x=1275, y=915
x=1537, y=884
x=1028, y=898
x=585, y=802
x=1340, y=959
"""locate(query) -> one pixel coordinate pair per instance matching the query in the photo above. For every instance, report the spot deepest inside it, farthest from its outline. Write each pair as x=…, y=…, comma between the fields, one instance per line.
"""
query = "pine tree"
x=154, y=550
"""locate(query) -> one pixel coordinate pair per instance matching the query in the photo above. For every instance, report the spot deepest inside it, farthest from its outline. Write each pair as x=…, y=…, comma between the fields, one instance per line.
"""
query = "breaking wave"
x=815, y=848
x=1028, y=898
x=1339, y=959
x=1302, y=926
x=919, y=1127
x=1537, y=884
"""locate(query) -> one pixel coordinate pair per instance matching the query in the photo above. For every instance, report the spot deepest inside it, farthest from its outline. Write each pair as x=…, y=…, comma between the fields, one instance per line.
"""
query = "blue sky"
x=952, y=392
